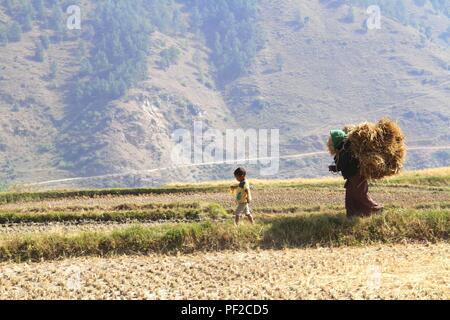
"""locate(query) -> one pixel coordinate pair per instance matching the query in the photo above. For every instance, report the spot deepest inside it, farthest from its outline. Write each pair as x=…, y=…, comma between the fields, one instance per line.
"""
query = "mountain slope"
x=319, y=68
x=333, y=75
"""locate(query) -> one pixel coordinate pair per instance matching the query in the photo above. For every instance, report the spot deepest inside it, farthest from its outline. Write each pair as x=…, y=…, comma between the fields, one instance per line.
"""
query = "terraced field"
x=180, y=242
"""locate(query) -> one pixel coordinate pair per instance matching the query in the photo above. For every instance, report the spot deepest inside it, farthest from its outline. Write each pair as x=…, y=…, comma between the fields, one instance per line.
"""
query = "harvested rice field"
x=180, y=242
x=375, y=272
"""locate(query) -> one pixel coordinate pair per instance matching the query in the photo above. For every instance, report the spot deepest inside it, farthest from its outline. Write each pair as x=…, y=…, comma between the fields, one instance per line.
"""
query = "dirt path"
x=386, y=272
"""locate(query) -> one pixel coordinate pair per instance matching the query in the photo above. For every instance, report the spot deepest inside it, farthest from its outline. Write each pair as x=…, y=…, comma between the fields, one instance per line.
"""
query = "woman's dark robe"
x=357, y=199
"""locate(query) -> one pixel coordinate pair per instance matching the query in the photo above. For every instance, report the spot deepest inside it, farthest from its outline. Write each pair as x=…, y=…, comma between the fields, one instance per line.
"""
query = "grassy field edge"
x=395, y=226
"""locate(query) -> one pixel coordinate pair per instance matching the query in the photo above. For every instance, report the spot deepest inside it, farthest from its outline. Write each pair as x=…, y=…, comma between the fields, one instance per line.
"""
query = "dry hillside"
x=309, y=77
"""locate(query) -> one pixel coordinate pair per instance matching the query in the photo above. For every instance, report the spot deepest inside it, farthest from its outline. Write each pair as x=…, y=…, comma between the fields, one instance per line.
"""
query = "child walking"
x=243, y=196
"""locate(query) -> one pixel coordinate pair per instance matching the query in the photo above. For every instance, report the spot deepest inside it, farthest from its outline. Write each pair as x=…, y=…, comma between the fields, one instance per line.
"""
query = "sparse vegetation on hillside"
x=39, y=53
x=121, y=46
x=119, y=31
x=15, y=32
x=48, y=15
x=232, y=32
x=3, y=36
x=445, y=36
x=113, y=55
x=397, y=9
x=97, y=65
x=118, y=58
x=169, y=57
x=393, y=8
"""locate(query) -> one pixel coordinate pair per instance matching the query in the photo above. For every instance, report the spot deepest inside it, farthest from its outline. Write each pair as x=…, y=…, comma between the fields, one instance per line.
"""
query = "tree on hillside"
x=56, y=20
x=445, y=36
x=24, y=14
x=3, y=36
x=57, y=23
x=81, y=51
x=428, y=32
x=9, y=6
x=439, y=5
x=420, y=3
x=197, y=58
x=27, y=23
x=196, y=20
x=45, y=41
x=85, y=67
x=15, y=32
x=53, y=70
x=101, y=61
x=298, y=20
x=178, y=24
x=280, y=62
x=39, y=53
x=218, y=47
x=350, y=16
x=169, y=57
x=39, y=7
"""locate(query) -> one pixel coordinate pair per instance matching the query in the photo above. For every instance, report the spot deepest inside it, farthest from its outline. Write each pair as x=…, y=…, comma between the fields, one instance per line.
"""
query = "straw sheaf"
x=331, y=149
x=380, y=148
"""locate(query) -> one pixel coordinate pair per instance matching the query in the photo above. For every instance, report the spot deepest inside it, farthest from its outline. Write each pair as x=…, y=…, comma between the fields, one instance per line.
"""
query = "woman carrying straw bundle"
x=358, y=203
x=365, y=152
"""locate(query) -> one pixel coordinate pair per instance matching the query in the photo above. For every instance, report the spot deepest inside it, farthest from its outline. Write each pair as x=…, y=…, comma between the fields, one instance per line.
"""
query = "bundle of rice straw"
x=330, y=147
x=380, y=148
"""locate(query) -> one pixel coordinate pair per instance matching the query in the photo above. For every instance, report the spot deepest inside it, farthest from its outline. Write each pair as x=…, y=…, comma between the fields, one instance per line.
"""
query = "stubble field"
x=179, y=242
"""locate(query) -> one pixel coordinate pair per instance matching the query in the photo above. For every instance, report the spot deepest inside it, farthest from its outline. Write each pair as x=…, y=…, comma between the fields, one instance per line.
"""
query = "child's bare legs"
x=246, y=209
x=237, y=214
x=236, y=220
x=249, y=217
x=248, y=213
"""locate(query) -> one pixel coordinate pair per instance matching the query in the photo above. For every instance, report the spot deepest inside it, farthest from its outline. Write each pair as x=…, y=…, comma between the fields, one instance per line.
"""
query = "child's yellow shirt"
x=243, y=193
